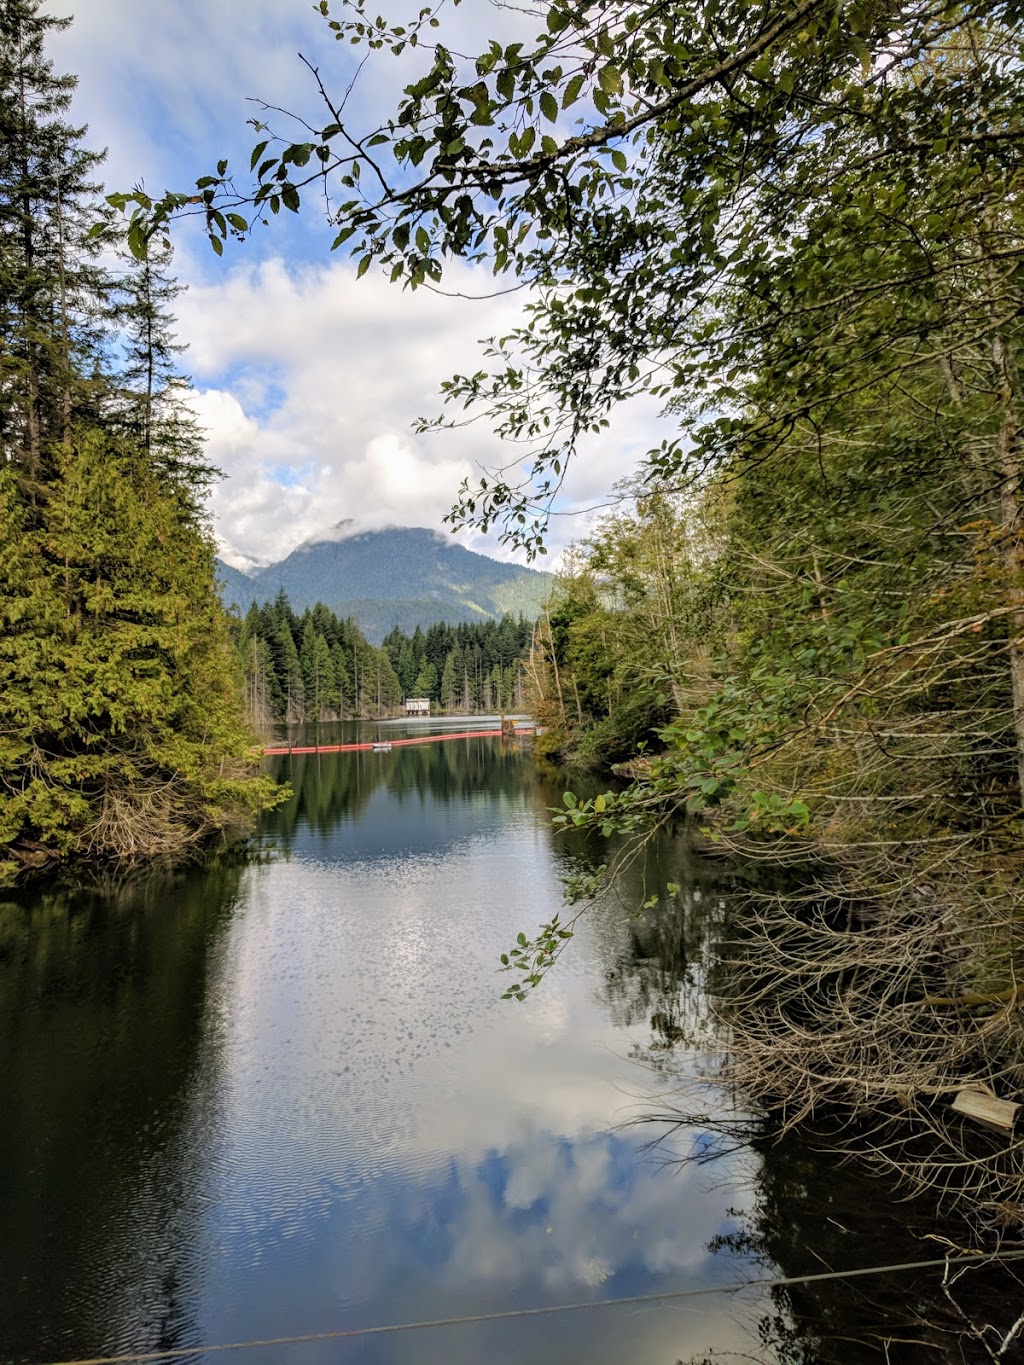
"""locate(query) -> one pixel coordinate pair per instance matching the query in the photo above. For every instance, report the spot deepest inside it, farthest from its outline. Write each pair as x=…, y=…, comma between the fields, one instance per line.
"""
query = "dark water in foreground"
x=281, y=1098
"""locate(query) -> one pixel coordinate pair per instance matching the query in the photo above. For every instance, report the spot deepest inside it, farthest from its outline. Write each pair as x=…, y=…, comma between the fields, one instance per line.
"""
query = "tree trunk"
x=65, y=330
x=554, y=665
x=1008, y=458
x=33, y=432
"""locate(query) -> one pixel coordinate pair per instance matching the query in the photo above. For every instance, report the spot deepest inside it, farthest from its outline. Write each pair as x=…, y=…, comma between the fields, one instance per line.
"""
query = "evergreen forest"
x=315, y=667
x=122, y=725
x=798, y=632
x=471, y=669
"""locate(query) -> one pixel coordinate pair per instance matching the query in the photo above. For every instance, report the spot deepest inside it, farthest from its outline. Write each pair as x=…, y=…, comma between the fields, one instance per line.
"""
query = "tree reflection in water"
x=808, y=1212
x=214, y=1130
x=328, y=789
x=104, y=1045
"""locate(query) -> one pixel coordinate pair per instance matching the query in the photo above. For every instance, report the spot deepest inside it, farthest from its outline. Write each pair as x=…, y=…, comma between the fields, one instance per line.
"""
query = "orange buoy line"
x=395, y=743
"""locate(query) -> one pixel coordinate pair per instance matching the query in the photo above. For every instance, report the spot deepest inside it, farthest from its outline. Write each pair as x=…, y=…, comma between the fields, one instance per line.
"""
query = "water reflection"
x=106, y=1106
x=481, y=1172
x=410, y=800
x=285, y=1096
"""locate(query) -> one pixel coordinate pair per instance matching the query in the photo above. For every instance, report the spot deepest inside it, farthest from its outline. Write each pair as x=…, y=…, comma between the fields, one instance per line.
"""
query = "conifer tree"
x=120, y=718
x=49, y=290
x=389, y=689
x=449, y=682
x=318, y=674
x=152, y=404
x=342, y=681
x=425, y=684
x=121, y=707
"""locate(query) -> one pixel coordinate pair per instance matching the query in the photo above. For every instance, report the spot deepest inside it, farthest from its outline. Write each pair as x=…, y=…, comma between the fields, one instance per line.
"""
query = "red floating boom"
x=395, y=743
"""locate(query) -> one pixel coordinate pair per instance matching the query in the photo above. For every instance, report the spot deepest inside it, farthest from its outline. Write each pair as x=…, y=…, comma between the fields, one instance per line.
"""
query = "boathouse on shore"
x=417, y=706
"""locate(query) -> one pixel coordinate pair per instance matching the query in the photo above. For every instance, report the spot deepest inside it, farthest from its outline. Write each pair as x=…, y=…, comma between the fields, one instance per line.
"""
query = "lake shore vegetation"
x=122, y=727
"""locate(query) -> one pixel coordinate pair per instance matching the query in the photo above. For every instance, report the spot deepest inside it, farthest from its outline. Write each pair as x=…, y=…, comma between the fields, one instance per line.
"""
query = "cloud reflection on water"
x=399, y=1141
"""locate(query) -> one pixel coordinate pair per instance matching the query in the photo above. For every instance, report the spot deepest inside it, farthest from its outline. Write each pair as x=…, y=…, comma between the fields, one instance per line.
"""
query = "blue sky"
x=306, y=382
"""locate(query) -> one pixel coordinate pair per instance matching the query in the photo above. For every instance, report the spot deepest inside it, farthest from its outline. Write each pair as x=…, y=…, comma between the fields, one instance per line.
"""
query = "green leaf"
x=137, y=241
x=572, y=91
x=609, y=78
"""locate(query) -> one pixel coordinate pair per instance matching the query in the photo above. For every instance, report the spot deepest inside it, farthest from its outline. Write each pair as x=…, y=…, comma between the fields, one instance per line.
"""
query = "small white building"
x=417, y=706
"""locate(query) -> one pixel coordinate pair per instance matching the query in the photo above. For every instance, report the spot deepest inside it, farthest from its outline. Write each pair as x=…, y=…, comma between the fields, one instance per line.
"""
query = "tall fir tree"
x=121, y=728
x=151, y=403
x=50, y=290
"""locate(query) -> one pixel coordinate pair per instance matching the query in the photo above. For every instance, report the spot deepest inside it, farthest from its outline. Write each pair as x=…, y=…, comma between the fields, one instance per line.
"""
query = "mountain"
x=235, y=586
x=404, y=576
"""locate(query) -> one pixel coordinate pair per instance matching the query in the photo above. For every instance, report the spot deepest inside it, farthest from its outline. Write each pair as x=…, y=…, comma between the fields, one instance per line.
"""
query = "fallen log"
x=987, y=1109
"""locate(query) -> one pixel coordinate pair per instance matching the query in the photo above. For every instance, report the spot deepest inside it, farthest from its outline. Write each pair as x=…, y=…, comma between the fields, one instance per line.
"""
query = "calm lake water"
x=284, y=1097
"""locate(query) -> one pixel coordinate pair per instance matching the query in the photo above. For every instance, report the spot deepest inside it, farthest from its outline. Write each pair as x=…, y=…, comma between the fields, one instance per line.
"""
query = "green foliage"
x=623, y=645
x=317, y=667
x=121, y=722
x=151, y=407
x=466, y=668
x=310, y=667
x=531, y=958
x=51, y=290
x=786, y=194
x=797, y=228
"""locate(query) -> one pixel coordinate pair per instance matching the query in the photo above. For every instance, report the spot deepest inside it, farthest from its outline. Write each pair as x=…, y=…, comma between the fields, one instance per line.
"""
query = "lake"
x=280, y=1095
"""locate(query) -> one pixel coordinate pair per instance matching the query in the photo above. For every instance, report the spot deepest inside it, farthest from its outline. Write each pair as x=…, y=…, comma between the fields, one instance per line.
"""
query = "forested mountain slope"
x=403, y=576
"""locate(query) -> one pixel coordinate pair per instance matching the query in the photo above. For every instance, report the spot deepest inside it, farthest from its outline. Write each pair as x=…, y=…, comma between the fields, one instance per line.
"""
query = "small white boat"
x=383, y=746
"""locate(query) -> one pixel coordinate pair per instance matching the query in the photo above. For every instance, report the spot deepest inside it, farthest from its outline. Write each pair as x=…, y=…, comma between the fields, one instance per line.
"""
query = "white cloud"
x=307, y=382
x=165, y=87
x=397, y=482
x=486, y=1164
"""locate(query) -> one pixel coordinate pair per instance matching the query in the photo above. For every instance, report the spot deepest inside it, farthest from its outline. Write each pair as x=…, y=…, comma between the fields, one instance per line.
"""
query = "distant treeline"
x=317, y=666
x=466, y=668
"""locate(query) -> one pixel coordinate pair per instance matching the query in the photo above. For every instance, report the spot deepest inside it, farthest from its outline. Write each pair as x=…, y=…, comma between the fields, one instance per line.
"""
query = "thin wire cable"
x=182, y=1352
